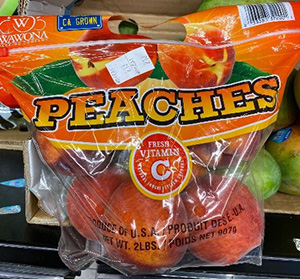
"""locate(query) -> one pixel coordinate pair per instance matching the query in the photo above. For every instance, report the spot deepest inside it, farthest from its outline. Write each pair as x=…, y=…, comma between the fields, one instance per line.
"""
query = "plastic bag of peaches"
x=146, y=143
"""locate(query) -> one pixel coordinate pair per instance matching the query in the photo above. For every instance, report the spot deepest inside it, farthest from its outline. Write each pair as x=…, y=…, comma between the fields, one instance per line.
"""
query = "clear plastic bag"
x=146, y=143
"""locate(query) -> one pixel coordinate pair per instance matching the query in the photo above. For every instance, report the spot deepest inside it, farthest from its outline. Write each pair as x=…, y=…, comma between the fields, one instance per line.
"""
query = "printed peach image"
x=197, y=67
x=90, y=61
x=148, y=235
x=224, y=153
x=72, y=161
x=88, y=197
x=229, y=217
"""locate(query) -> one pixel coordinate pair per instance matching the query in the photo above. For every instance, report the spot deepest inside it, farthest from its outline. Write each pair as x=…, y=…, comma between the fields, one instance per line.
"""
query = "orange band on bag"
x=224, y=80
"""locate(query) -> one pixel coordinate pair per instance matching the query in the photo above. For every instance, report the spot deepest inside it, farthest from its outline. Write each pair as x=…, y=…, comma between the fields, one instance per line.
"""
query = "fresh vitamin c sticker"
x=160, y=166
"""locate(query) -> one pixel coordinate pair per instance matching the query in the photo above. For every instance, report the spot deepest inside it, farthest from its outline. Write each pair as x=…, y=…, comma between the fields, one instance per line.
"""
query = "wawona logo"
x=22, y=30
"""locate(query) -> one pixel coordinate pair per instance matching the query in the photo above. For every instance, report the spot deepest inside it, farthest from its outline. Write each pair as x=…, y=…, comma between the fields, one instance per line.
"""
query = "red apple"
x=87, y=198
x=196, y=67
x=229, y=217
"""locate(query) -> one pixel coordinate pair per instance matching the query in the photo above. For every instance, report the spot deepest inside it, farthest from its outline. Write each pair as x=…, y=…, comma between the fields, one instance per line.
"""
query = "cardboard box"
x=13, y=139
x=144, y=13
x=283, y=204
x=51, y=7
x=35, y=213
x=20, y=141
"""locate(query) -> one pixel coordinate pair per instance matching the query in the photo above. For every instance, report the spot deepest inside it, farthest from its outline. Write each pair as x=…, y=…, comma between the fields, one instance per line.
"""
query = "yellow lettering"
x=49, y=111
x=123, y=108
x=266, y=88
x=234, y=99
x=85, y=111
x=152, y=108
x=197, y=105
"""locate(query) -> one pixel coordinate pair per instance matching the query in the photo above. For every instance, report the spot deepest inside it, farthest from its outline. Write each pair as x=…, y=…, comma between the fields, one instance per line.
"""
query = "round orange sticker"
x=160, y=166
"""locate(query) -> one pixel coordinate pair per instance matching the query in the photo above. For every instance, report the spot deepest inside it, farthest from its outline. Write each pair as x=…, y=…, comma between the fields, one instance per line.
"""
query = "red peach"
x=229, y=216
x=197, y=171
x=56, y=159
x=224, y=153
x=72, y=161
x=87, y=198
x=151, y=243
x=90, y=62
x=196, y=67
x=244, y=146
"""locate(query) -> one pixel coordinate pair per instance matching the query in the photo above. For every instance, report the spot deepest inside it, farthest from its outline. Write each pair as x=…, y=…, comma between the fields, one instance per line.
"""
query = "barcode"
x=252, y=15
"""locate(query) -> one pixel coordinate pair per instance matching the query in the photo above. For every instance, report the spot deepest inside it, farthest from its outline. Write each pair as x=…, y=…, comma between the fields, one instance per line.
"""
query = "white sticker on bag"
x=256, y=14
x=130, y=65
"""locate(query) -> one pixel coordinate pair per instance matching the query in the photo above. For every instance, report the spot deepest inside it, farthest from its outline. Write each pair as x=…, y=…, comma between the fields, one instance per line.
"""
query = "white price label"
x=130, y=65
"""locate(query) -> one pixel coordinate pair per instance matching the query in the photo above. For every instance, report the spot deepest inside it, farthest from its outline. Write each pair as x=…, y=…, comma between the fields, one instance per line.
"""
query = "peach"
x=88, y=197
x=197, y=67
x=224, y=153
x=244, y=146
x=72, y=161
x=197, y=171
x=90, y=62
x=56, y=159
x=148, y=237
x=229, y=217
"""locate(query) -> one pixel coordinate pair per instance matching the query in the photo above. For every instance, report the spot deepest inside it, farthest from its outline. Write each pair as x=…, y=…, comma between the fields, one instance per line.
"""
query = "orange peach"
x=197, y=67
x=88, y=197
x=147, y=237
x=229, y=217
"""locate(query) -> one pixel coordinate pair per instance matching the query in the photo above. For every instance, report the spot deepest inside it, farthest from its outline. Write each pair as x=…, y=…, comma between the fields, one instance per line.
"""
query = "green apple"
x=284, y=146
x=297, y=88
x=264, y=176
x=209, y=4
x=289, y=111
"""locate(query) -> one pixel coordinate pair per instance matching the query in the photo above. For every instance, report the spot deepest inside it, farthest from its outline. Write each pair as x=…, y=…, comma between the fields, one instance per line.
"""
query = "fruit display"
x=152, y=141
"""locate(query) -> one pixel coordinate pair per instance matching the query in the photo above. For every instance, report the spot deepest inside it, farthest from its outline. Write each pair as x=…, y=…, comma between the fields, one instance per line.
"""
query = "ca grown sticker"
x=160, y=166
